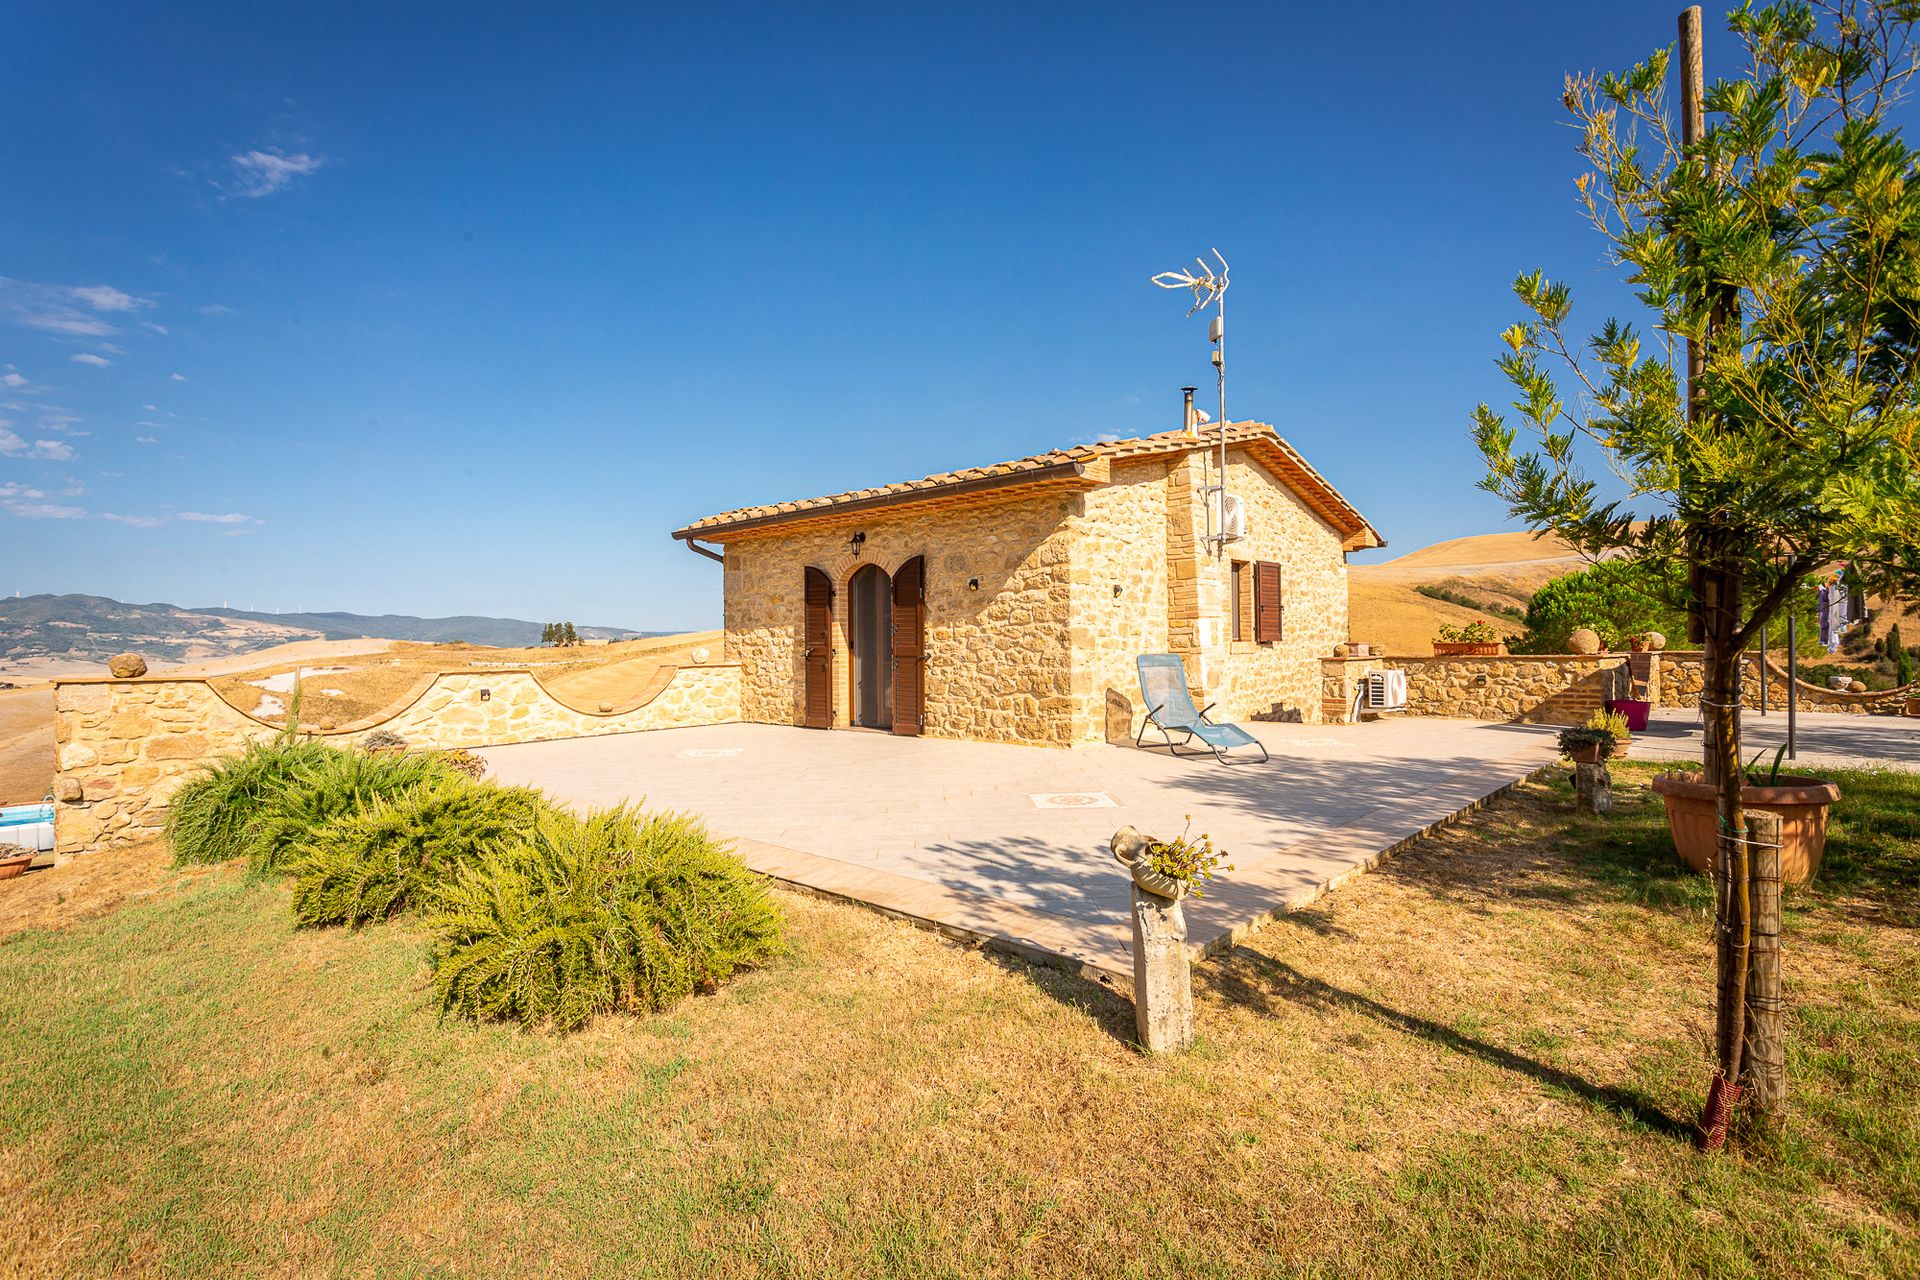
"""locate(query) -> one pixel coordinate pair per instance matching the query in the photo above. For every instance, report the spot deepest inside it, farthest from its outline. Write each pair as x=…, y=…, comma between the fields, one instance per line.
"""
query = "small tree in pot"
x=1781, y=245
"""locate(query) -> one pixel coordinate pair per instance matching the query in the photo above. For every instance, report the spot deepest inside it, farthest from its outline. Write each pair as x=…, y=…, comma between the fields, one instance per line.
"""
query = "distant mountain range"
x=94, y=627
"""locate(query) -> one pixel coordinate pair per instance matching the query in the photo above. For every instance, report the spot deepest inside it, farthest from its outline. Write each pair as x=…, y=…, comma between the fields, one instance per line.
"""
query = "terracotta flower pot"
x=1802, y=804
x=1467, y=648
x=1619, y=748
x=15, y=864
x=1588, y=754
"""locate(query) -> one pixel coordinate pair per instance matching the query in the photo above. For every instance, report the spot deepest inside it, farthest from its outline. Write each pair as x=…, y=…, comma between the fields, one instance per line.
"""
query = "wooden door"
x=910, y=647
x=817, y=658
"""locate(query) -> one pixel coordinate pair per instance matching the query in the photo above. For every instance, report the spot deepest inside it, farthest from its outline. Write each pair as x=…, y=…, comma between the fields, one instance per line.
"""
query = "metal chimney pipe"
x=1187, y=418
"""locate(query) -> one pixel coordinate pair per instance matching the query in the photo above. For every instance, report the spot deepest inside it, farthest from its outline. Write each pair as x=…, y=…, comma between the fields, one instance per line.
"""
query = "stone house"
x=1007, y=603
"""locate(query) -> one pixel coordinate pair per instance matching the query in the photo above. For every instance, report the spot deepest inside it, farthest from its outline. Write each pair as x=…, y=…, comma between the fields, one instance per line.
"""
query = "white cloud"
x=12, y=380
x=66, y=310
x=178, y=377
x=155, y=328
x=87, y=357
x=10, y=490
x=138, y=522
x=145, y=440
x=216, y=309
x=104, y=297
x=151, y=408
x=45, y=450
x=202, y=517
x=42, y=510
x=261, y=173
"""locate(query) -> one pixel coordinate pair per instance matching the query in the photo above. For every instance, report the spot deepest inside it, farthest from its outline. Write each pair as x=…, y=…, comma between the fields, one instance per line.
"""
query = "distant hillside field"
x=1488, y=578
x=49, y=632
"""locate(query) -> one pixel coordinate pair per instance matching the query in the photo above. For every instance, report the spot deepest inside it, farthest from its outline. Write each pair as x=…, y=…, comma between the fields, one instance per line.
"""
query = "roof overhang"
x=1068, y=476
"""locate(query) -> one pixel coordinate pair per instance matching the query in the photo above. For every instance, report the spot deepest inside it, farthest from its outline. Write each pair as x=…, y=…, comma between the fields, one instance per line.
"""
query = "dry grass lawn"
x=26, y=744
x=1478, y=1060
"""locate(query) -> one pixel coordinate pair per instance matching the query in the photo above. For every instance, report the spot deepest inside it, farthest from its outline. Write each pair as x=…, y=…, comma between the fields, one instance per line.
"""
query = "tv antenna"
x=1209, y=289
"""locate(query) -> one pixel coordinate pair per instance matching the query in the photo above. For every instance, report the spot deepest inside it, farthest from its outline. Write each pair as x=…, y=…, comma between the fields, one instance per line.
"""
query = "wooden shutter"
x=1268, y=610
x=910, y=647
x=817, y=658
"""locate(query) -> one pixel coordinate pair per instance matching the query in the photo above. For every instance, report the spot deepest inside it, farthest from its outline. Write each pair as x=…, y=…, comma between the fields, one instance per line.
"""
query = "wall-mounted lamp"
x=857, y=541
x=486, y=694
x=973, y=584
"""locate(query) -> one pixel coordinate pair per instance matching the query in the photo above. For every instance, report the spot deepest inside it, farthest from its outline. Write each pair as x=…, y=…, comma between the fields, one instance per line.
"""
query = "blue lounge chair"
x=1163, y=685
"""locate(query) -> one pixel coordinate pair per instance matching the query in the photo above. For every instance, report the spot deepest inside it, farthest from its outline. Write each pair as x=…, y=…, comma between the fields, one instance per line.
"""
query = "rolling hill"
x=1401, y=603
x=93, y=628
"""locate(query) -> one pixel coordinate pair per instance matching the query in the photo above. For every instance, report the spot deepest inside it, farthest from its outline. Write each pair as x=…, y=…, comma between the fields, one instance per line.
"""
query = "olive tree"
x=1772, y=235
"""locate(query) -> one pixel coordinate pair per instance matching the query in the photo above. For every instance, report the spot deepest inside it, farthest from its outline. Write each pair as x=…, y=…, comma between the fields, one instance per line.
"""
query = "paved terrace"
x=1821, y=738
x=1008, y=845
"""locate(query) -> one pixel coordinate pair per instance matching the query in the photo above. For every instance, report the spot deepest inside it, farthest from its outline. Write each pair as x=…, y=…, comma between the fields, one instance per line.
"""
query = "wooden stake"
x=1766, y=1023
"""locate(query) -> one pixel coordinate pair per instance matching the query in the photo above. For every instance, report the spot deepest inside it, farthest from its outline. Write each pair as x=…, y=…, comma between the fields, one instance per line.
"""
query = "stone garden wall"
x=1540, y=688
x=123, y=747
x=1684, y=675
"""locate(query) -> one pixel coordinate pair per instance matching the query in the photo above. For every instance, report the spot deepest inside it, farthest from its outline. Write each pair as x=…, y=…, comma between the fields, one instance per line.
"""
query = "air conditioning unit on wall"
x=1230, y=517
x=1384, y=691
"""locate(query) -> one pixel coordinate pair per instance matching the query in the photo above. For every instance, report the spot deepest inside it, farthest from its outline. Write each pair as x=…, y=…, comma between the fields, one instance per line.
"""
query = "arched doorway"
x=870, y=639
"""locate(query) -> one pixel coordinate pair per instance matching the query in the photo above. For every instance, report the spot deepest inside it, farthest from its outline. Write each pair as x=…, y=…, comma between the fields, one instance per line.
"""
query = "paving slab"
x=1008, y=845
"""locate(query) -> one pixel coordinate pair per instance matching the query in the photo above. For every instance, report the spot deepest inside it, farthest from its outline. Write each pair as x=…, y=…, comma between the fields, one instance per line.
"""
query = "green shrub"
x=1617, y=598
x=341, y=782
x=208, y=818
x=398, y=851
x=617, y=911
x=256, y=804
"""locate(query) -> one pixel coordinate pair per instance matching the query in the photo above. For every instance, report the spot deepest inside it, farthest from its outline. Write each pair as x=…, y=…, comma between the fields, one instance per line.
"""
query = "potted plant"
x=384, y=742
x=1585, y=744
x=1169, y=868
x=1476, y=639
x=1616, y=725
x=14, y=861
x=1802, y=804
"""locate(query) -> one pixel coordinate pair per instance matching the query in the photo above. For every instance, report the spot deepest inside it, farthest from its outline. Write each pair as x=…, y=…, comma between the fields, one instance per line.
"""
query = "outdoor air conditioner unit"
x=1384, y=691
x=1231, y=513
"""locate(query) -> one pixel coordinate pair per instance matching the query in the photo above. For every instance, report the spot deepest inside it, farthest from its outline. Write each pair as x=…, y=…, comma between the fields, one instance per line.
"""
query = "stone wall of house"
x=1119, y=598
x=1684, y=675
x=1280, y=680
x=1145, y=535
x=998, y=666
x=123, y=747
x=1542, y=688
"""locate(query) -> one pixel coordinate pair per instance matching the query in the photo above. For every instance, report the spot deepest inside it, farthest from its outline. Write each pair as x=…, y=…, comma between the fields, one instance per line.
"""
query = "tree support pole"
x=1766, y=1029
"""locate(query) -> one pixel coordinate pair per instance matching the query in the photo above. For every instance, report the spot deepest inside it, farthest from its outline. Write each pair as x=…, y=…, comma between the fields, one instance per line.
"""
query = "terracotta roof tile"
x=1068, y=465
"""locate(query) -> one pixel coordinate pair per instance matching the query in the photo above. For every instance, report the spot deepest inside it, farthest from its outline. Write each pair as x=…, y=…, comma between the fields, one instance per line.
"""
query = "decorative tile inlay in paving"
x=1073, y=800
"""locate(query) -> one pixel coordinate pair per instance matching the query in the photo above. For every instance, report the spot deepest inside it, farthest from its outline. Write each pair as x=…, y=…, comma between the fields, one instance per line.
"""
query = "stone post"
x=1162, y=974
x=1162, y=971
x=1592, y=788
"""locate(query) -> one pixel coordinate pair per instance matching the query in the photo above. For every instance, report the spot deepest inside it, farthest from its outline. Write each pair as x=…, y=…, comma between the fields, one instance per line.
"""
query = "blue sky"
x=465, y=308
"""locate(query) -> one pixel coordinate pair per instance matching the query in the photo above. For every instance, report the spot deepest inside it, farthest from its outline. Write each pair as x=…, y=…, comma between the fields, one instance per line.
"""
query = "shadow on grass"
x=1272, y=987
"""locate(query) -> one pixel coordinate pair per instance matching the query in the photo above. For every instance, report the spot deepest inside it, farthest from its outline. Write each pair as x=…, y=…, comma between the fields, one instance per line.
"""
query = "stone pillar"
x=1592, y=788
x=1162, y=974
